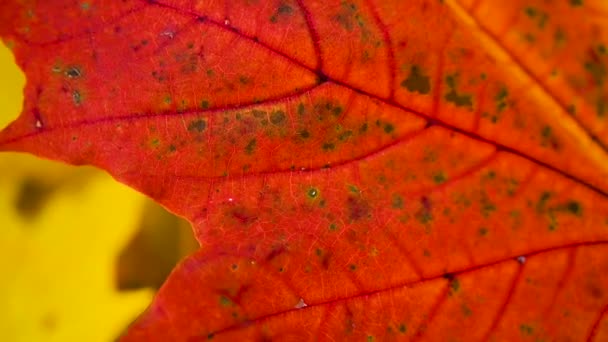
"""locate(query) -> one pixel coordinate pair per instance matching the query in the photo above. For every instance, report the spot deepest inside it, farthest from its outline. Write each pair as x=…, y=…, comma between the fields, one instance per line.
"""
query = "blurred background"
x=81, y=255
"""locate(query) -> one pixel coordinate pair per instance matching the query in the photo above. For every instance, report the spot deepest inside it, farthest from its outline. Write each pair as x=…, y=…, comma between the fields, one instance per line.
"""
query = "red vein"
x=596, y=324
x=422, y=328
x=562, y=281
x=140, y=116
x=347, y=162
x=86, y=33
x=415, y=283
x=529, y=73
x=314, y=35
x=503, y=307
x=434, y=121
x=392, y=66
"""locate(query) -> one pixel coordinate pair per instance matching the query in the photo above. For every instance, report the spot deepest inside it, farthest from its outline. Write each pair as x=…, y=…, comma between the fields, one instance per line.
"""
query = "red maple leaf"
x=353, y=170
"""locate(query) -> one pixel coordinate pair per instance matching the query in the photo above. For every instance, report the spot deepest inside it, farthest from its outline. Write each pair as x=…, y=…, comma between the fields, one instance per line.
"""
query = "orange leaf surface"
x=424, y=170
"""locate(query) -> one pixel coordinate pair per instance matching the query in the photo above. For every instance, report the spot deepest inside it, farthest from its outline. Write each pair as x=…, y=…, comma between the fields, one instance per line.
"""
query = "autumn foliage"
x=353, y=170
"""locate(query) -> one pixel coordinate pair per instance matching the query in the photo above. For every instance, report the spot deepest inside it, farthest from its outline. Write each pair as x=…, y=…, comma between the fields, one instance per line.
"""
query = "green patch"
x=329, y=146
x=363, y=128
x=197, y=126
x=283, y=10
x=301, y=109
x=597, y=71
x=424, y=216
x=454, y=286
x=439, y=177
x=204, y=104
x=559, y=37
x=358, y=208
x=397, y=202
x=312, y=193
x=453, y=96
x=487, y=207
x=73, y=72
x=336, y=111
x=601, y=108
x=526, y=329
x=344, y=136
x=417, y=81
x=244, y=80
x=574, y=208
x=77, y=98
x=225, y=301
x=402, y=328
x=539, y=17
x=501, y=99
x=388, y=128
x=250, y=148
x=333, y=227
x=541, y=204
x=571, y=109
x=277, y=117
x=531, y=12
x=483, y=231
x=576, y=3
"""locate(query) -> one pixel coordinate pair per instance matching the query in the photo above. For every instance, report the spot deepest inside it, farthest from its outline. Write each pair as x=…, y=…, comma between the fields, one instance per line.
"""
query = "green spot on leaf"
x=277, y=117
x=416, y=81
x=250, y=148
x=197, y=126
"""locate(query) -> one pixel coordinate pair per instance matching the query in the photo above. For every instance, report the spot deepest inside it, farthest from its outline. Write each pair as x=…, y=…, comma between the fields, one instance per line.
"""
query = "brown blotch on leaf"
x=197, y=126
x=358, y=208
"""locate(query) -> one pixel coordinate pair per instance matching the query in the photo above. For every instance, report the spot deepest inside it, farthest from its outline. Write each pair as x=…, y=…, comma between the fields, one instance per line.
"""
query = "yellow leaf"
x=61, y=230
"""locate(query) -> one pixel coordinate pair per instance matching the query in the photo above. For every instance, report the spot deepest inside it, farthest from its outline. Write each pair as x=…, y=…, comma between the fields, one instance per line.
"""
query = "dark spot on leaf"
x=397, y=202
x=250, y=148
x=197, y=125
x=76, y=97
x=439, y=177
x=357, y=208
x=453, y=96
x=388, y=128
x=423, y=215
x=329, y=146
x=526, y=329
x=313, y=192
x=73, y=72
x=243, y=215
x=576, y=3
x=416, y=81
x=363, y=128
x=277, y=117
x=574, y=207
